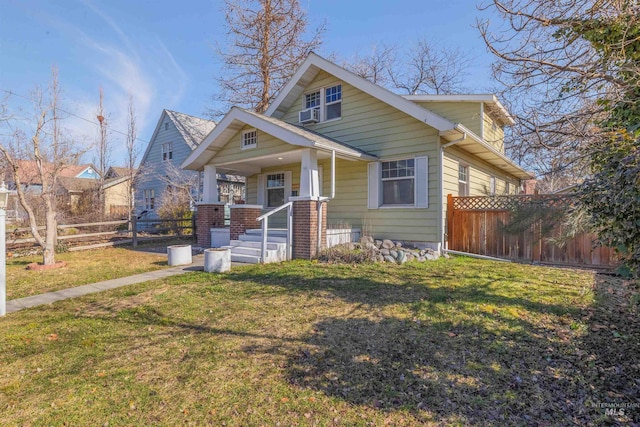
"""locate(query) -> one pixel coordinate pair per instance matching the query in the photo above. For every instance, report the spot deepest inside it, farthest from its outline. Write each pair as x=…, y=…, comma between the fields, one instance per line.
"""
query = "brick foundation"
x=208, y=216
x=243, y=217
x=305, y=228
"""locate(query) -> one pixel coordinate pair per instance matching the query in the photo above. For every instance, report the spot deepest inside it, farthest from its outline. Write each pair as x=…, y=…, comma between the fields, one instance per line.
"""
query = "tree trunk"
x=49, y=250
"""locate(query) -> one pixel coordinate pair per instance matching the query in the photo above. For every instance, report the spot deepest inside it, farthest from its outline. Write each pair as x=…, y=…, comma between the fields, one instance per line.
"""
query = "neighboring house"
x=77, y=185
x=176, y=135
x=396, y=157
x=118, y=191
x=30, y=178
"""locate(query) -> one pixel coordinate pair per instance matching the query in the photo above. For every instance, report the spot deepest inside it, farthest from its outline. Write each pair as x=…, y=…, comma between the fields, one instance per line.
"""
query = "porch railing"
x=264, y=219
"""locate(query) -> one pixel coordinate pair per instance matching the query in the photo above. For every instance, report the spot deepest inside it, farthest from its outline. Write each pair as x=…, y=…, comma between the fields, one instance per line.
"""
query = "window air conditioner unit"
x=310, y=115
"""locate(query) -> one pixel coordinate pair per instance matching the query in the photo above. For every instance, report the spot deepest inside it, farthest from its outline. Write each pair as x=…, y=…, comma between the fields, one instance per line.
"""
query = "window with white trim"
x=463, y=180
x=275, y=190
x=167, y=151
x=398, y=182
x=312, y=100
x=333, y=102
x=492, y=185
x=326, y=100
x=149, y=199
x=249, y=139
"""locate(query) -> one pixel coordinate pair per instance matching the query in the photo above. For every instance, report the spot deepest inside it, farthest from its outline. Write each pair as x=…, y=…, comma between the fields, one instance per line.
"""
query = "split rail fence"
x=106, y=233
x=481, y=225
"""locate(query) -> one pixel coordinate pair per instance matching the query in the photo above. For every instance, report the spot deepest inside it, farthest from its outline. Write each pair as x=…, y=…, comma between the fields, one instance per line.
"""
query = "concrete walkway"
x=48, y=298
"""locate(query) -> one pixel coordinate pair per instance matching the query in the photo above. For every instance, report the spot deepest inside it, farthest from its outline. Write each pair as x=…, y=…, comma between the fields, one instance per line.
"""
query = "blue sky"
x=162, y=52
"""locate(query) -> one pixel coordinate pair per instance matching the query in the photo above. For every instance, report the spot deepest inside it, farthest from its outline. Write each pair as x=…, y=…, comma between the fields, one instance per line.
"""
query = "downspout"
x=441, y=213
x=326, y=199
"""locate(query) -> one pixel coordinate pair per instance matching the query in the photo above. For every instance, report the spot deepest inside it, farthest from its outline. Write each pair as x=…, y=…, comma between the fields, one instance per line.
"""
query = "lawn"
x=451, y=342
x=83, y=267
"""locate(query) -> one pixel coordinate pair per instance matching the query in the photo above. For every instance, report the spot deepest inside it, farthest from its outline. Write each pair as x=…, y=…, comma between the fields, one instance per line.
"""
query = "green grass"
x=453, y=342
x=83, y=267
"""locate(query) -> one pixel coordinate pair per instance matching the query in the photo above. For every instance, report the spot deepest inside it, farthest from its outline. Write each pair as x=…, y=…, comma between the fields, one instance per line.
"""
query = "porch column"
x=305, y=227
x=208, y=216
x=210, y=185
x=309, y=180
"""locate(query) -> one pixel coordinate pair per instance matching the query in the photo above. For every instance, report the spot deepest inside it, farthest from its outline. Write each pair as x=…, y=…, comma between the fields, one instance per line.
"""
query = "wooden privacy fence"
x=480, y=225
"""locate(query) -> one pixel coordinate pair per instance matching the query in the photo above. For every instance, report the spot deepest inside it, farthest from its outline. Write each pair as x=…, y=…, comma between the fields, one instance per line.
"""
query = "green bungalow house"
x=337, y=150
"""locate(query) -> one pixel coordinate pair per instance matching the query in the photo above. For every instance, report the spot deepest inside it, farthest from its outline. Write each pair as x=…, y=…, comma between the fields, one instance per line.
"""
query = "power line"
x=96, y=122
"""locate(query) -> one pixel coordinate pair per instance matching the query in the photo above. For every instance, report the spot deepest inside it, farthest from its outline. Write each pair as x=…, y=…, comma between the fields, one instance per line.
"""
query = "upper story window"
x=463, y=180
x=312, y=100
x=167, y=151
x=398, y=182
x=166, y=126
x=327, y=101
x=249, y=139
x=333, y=102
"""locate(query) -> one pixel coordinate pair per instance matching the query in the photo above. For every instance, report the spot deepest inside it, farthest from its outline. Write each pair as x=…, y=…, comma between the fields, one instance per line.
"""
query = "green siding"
x=267, y=145
x=465, y=113
x=495, y=137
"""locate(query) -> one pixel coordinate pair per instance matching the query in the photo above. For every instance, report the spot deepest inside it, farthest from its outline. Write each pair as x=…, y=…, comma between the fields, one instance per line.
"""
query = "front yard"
x=460, y=341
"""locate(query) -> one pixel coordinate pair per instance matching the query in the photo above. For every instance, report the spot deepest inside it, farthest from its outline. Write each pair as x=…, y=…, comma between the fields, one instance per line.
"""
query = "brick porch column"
x=243, y=217
x=305, y=228
x=208, y=216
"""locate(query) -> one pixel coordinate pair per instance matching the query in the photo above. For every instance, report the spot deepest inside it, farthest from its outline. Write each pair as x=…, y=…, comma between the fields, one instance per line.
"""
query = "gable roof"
x=192, y=129
x=488, y=99
x=448, y=130
x=237, y=118
x=77, y=185
x=314, y=63
x=28, y=171
x=117, y=172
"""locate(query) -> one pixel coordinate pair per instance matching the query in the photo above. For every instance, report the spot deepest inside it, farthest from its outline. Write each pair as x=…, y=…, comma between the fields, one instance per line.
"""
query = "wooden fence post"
x=134, y=230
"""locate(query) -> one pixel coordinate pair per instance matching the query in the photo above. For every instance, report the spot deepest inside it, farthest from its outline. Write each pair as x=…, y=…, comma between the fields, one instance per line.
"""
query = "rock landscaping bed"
x=369, y=249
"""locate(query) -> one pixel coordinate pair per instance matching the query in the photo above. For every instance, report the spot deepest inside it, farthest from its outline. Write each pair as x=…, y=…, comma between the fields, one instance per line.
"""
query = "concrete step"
x=279, y=232
x=242, y=250
x=258, y=238
x=250, y=244
x=248, y=259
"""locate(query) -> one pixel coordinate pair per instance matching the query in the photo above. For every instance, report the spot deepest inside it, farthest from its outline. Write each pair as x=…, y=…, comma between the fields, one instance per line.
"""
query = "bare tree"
x=558, y=83
x=430, y=68
x=374, y=66
x=44, y=146
x=266, y=44
x=133, y=151
x=103, y=148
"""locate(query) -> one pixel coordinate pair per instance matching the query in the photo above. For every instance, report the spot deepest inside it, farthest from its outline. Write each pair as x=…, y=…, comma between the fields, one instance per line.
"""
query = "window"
x=166, y=126
x=398, y=182
x=463, y=180
x=167, y=151
x=249, y=139
x=149, y=199
x=312, y=100
x=327, y=100
x=508, y=188
x=333, y=102
x=492, y=185
x=275, y=190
